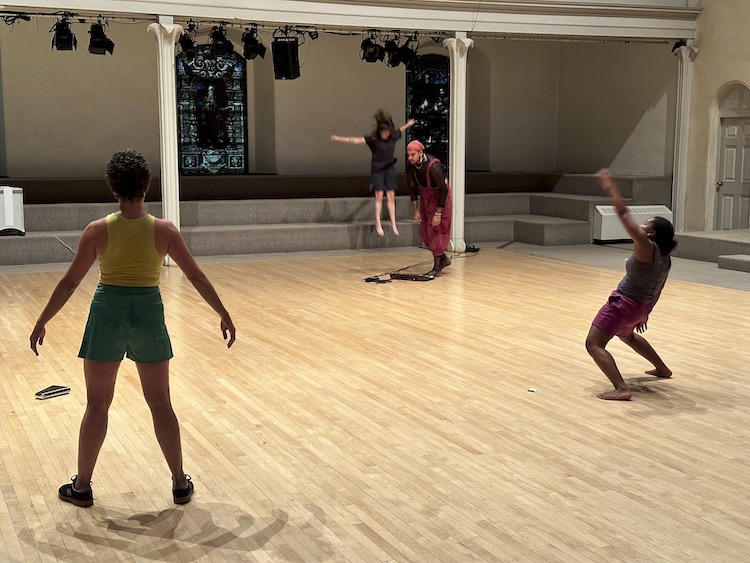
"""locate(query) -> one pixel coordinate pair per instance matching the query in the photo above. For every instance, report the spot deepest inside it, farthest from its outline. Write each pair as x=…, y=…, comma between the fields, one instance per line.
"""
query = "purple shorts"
x=620, y=315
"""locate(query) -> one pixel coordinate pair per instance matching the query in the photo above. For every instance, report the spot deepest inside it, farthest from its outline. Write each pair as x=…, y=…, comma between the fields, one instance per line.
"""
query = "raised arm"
x=89, y=246
x=644, y=248
x=350, y=140
x=179, y=251
x=406, y=125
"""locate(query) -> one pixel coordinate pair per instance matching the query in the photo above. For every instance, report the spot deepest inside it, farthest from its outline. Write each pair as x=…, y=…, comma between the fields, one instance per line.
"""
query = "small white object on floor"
x=532, y=389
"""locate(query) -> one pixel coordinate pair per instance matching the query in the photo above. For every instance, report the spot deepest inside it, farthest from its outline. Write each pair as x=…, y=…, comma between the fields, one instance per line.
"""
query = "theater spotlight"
x=99, y=43
x=220, y=45
x=252, y=44
x=187, y=41
x=392, y=52
x=63, y=39
x=408, y=52
x=371, y=51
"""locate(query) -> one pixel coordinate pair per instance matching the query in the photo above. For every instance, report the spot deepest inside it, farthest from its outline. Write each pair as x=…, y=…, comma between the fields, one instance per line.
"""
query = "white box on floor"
x=11, y=211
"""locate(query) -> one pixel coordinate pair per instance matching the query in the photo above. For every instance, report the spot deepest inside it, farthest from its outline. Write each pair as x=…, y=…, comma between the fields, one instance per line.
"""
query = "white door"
x=733, y=183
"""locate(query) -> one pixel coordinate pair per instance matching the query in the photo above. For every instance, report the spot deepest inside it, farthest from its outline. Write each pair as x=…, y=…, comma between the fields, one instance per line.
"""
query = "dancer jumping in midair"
x=382, y=143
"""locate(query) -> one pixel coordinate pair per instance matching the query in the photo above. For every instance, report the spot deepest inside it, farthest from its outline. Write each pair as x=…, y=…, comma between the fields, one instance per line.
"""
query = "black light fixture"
x=285, y=49
x=371, y=51
x=253, y=46
x=407, y=52
x=187, y=41
x=63, y=39
x=403, y=54
x=392, y=52
x=99, y=43
x=11, y=19
x=220, y=45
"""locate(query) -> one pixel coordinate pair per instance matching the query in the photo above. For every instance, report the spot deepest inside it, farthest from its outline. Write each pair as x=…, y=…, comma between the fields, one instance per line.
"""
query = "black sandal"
x=182, y=496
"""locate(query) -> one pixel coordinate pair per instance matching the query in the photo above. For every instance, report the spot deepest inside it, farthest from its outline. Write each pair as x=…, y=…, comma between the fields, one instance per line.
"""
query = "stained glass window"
x=428, y=102
x=211, y=113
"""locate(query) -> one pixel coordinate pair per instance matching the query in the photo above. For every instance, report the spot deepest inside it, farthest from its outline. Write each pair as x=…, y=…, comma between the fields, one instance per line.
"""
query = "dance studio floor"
x=452, y=420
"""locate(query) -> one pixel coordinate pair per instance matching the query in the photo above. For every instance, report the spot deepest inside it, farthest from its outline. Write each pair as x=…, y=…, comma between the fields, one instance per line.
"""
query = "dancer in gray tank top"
x=627, y=309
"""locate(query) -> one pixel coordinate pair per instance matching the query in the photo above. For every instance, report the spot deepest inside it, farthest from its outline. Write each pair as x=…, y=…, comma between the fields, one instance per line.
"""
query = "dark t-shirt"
x=382, y=151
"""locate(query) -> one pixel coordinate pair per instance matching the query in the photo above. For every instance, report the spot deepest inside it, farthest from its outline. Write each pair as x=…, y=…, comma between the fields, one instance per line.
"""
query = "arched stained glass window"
x=211, y=113
x=428, y=102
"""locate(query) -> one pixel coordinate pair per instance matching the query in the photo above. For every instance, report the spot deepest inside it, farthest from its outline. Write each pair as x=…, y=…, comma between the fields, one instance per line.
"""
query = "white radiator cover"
x=11, y=211
x=607, y=225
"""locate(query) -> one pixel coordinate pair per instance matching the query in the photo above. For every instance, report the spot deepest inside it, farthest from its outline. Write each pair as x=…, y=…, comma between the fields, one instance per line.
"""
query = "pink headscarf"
x=415, y=146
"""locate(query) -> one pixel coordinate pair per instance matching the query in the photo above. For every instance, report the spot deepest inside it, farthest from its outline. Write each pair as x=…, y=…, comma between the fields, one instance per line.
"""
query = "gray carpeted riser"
x=37, y=249
x=652, y=191
x=586, y=184
x=578, y=208
x=259, y=239
x=488, y=228
x=706, y=248
x=546, y=233
x=737, y=262
x=496, y=204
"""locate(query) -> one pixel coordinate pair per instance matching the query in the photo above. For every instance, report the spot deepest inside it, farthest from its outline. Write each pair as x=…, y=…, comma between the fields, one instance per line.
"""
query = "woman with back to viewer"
x=127, y=319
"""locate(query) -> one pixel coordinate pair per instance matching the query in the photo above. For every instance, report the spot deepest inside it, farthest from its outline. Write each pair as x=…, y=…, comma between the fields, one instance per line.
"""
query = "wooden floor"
x=391, y=422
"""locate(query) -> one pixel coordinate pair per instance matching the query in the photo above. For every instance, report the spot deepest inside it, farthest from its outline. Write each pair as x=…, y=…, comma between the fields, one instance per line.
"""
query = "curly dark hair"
x=128, y=174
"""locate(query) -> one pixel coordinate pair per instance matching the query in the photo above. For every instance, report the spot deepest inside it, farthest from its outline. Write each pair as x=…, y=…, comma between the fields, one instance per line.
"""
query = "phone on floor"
x=52, y=391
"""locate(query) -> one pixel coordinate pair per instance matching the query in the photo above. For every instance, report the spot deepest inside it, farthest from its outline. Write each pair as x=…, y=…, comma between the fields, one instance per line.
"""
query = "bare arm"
x=179, y=251
x=406, y=125
x=350, y=140
x=85, y=256
x=644, y=247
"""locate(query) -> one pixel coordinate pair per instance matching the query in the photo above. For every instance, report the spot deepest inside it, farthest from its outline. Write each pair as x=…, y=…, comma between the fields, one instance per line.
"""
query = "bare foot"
x=659, y=373
x=395, y=229
x=434, y=273
x=616, y=395
x=379, y=230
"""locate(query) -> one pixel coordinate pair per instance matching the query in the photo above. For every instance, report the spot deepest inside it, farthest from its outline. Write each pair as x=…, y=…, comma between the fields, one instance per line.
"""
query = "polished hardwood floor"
x=391, y=422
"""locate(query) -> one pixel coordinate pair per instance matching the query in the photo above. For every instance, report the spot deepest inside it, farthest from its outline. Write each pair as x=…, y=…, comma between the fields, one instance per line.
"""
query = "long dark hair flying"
x=383, y=121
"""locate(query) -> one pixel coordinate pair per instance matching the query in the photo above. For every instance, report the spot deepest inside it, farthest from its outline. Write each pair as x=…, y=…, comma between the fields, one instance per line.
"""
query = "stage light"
x=392, y=51
x=371, y=51
x=253, y=46
x=407, y=52
x=63, y=39
x=187, y=41
x=313, y=35
x=403, y=54
x=220, y=45
x=99, y=43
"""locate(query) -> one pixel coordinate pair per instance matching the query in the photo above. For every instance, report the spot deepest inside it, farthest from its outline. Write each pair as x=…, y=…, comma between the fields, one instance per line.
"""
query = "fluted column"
x=686, y=54
x=458, y=50
x=167, y=33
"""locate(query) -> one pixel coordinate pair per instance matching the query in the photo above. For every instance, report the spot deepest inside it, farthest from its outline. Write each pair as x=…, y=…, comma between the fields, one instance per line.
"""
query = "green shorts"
x=126, y=321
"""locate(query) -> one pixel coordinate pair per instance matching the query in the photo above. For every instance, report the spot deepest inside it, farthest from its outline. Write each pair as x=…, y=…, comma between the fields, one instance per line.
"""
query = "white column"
x=167, y=33
x=686, y=54
x=458, y=49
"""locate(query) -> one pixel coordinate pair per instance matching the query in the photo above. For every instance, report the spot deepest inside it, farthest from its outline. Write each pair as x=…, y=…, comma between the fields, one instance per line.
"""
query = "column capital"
x=686, y=50
x=166, y=27
x=459, y=44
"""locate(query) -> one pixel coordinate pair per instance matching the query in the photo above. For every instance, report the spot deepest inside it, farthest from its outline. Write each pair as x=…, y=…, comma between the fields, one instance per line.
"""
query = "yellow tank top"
x=130, y=258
